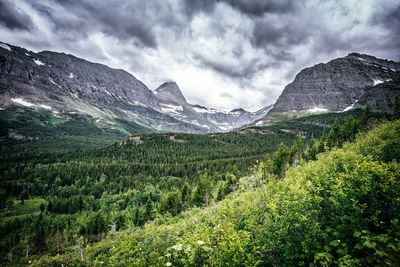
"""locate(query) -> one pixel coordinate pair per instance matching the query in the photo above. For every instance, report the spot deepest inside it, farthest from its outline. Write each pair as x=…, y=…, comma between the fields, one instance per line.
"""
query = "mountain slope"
x=65, y=84
x=336, y=85
x=108, y=98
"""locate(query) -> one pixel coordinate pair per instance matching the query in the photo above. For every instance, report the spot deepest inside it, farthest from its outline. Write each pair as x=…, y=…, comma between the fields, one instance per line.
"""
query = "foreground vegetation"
x=341, y=209
x=176, y=199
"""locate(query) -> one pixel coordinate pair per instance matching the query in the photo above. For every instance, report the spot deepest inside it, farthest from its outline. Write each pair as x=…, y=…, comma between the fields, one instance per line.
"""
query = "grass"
x=29, y=207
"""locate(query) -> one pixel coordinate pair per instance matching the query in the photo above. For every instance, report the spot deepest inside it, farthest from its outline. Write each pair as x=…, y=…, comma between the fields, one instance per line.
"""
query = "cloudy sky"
x=222, y=53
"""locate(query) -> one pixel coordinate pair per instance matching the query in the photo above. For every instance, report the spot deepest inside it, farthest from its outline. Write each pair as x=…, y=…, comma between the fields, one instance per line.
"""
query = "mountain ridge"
x=65, y=83
x=335, y=85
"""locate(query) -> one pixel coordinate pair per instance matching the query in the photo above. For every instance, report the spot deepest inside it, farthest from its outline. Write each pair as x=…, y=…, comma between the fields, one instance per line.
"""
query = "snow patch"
x=45, y=107
x=22, y=102
x=53, y=82
x=317, y=109
x=359, y=58
x=171, y=108
x=38, y=62
x=201, y=110
x=2, y=45
x=225, y=128
x=195, y=122
x=259, y=123
x=377, y=81
x=235, y=113
x=348, y=108
x=213, y=111
x=71, y=75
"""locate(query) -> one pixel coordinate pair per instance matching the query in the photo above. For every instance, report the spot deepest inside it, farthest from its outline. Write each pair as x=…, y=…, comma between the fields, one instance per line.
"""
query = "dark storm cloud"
x=269, y=33
x=249, y=7
x=125, y=22
x=391, y=21
x=13, y=18
x=190, y=8
x=260, y=7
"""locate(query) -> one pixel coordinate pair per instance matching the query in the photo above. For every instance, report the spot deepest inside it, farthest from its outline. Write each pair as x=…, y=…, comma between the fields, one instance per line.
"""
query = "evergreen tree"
x=396, y=108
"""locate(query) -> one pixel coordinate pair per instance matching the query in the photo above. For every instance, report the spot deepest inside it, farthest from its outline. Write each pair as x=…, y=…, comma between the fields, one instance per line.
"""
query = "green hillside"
x=58, y=202
x=341, y=209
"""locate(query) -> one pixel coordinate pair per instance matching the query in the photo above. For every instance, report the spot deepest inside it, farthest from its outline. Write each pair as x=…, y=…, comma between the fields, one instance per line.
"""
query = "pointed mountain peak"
x=238, y=110
x=166, y=85
x=170, y=91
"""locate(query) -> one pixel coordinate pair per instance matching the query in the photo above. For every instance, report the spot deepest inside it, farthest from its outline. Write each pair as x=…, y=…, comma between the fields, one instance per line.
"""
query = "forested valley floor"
x=321, y=190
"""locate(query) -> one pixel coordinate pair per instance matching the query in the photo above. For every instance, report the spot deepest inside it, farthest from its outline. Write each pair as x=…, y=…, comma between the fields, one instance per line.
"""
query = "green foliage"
x=341, y=209
x=102, y=197
x=396, y=108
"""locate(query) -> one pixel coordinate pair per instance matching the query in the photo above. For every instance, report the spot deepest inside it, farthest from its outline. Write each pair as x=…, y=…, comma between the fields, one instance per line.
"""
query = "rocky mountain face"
x=169, y=91
x=383, y=95
x=66, y=85
x=341, y=84
x=229, y=120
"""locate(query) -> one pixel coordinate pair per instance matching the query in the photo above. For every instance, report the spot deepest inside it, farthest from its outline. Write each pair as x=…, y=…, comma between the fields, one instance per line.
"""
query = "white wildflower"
x=200, y=242
x=168, y=264
x=177, y=247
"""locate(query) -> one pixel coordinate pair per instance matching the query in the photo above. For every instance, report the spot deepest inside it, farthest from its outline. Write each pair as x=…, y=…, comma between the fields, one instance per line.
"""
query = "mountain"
x=340, y=84
x=170, y=91
x=73, y=89
x=233, y=119
x=174, y=103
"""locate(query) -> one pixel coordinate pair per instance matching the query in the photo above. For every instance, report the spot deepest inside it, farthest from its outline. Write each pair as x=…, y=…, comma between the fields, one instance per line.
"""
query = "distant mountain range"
x=67, y=86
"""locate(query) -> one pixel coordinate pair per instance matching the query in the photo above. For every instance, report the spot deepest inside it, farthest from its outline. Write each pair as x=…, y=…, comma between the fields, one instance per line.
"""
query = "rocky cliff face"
x=65, y=85
x=66, y=75
x=383, y=95
x=169, y=91
x=336, y=85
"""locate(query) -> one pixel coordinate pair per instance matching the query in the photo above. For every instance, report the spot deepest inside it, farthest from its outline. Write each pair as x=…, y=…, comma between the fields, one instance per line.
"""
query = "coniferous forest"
x=321, y=190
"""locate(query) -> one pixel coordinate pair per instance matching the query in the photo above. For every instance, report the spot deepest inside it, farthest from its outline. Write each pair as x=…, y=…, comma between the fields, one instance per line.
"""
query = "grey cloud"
x=13, y=18
x=125, y=22
x=248, y=7
x=260, y=7
x=391, y=21
x=244, y=70
x=279, y=33
x=190, y=8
